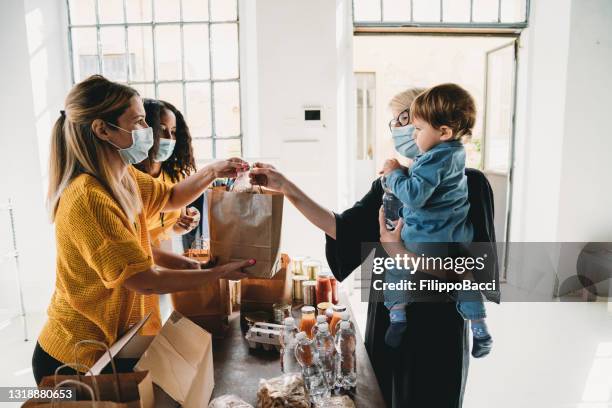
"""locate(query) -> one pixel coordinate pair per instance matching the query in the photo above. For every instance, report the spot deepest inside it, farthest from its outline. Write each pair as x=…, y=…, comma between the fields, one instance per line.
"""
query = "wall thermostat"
x=313, y=116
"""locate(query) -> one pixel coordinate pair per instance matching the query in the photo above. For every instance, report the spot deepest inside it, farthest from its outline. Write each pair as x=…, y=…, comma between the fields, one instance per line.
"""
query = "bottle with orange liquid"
x=338, y=310
x=308, y=320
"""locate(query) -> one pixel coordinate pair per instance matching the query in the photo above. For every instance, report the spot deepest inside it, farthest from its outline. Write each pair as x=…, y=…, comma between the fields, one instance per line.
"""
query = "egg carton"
x=264, y=335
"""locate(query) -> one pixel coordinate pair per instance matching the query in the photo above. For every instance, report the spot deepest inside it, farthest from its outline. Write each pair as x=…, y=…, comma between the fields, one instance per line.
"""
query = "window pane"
x=139, y=11
x=224, y=50
x=366, y=10
x=457, y=11
x=485, y=11
x=172, y=93
x=85, y=51
x=82, y=11
x=198, y=109
x=195, y=10
x=202, y=149
x=195, y=37
x=168, y=44
x=145, y=90
x=227, y=109
x=513, y=11
x=396, y=10
x=426, y=10
x=167, y=10
x=228, y=148
x=114, y=65
x=223, y=10
x=141, y=53
x=111, y=11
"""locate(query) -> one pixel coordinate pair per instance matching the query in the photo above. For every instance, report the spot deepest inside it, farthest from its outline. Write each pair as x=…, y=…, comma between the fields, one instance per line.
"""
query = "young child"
x=434, y=195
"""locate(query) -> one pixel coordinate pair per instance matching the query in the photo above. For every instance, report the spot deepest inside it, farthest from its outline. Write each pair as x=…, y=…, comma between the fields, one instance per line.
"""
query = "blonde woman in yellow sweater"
x=106, y=279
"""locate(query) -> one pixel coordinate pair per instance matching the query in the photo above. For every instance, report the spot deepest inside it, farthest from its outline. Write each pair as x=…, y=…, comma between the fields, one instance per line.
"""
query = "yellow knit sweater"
x=98, y=248
x=161, y=225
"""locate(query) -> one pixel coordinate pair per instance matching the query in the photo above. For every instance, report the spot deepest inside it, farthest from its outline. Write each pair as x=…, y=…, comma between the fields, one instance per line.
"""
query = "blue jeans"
x=395, y=297
x=470, y=305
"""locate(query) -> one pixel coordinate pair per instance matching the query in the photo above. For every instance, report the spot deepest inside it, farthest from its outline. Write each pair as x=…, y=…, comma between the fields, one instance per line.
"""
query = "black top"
x=430, y=367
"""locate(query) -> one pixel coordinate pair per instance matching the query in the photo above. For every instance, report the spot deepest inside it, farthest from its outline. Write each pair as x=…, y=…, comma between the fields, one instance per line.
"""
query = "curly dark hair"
x=182, y=163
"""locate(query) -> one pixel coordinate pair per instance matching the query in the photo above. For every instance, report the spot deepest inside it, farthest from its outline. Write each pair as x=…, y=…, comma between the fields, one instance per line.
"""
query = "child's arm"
x=415, y=187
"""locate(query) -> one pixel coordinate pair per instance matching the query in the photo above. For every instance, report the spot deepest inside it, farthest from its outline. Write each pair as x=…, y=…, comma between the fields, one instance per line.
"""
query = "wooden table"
x=238, y=369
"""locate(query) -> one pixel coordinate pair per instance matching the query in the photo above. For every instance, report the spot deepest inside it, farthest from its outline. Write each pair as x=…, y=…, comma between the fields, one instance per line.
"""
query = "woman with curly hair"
x=170, y=160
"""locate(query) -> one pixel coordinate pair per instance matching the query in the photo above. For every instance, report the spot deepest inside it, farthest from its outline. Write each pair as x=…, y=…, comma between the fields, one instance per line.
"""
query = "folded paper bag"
x=180, y=362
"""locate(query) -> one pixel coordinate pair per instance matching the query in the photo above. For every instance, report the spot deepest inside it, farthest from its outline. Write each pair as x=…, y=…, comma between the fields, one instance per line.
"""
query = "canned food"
x=312, y=268
x=280, y=311
x=298, y=294
x=309, y=292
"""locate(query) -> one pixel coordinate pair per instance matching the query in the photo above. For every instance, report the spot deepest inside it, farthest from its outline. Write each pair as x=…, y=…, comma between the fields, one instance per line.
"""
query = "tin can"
x=280, y=311
x=309, y=292
x=298, y=294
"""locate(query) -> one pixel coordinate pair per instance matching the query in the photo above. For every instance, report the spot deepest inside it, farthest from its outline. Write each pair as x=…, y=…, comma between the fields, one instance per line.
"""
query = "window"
x=366, y=90
x=441, y=13
x=183, y=51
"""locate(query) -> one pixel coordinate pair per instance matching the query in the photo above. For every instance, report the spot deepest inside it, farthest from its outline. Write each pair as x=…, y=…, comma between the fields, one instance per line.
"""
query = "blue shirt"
x=435, y=196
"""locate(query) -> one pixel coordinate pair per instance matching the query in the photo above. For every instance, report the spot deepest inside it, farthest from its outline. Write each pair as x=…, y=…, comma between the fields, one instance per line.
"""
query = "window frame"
x=156, y=81
x=413, y=25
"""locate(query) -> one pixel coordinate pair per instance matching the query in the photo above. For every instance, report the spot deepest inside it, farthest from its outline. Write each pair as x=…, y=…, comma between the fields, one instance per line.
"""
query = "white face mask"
x=166, y=147
x=142, y=141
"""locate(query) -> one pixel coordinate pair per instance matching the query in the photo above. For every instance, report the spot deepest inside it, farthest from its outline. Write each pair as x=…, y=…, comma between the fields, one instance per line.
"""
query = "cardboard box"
x=180, y=361
x=267, y=291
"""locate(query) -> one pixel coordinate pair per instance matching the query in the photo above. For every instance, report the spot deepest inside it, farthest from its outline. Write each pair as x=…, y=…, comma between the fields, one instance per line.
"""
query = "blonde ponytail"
x=76, y=150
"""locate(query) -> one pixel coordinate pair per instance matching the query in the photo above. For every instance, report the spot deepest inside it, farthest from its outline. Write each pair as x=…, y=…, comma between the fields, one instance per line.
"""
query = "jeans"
x=470, y=305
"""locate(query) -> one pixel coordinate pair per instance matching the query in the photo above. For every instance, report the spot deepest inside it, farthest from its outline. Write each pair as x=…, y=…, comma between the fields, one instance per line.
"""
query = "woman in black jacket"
x=429, y=369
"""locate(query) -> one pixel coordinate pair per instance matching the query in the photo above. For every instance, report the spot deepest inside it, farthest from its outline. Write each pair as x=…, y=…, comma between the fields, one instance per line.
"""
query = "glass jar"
x=297, y=265
x=308, y=320
x=312, y=268
x=324, y=289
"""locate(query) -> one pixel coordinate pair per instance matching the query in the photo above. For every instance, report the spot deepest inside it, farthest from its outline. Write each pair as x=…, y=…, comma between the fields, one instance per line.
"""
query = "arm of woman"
x=266, y=175
x=161, y=280
x=171, y=260
x=187, y=190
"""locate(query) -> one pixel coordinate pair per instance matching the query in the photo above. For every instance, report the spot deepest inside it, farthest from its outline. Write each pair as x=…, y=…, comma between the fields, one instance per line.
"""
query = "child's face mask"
x=404, y=142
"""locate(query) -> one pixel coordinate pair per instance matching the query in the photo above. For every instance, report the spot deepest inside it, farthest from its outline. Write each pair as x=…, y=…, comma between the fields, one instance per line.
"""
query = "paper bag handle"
x=112, y=361
x=77, y=383
x=76, y=367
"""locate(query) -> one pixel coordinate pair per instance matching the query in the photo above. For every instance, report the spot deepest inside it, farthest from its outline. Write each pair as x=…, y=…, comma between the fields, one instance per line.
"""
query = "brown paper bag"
x=136, y=389
x=180, y=361
x=80, y=401
x=245, y=226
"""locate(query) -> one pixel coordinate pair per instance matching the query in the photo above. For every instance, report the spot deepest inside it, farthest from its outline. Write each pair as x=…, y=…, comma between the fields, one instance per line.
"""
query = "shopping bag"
x=246, y=226
x=180, y=362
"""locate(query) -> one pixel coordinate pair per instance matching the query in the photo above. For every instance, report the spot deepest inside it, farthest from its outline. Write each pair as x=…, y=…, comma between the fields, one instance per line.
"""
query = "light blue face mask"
x=142, y=141
x=166, y=147
x=404, y=142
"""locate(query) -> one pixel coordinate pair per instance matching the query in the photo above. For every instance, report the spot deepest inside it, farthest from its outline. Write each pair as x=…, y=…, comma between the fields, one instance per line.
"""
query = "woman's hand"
x=187, y=221
x=387, y=236
x=266, y=175
x=228, y=168
x=234, y=270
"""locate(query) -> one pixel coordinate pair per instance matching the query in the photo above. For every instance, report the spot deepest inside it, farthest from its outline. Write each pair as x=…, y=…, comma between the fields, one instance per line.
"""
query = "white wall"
x=296, y=65
x=34, y=81
x=585, y=197
x=561, y=163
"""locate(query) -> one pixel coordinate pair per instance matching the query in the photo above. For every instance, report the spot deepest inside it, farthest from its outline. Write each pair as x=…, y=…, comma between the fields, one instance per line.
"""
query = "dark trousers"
x=43, y=364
